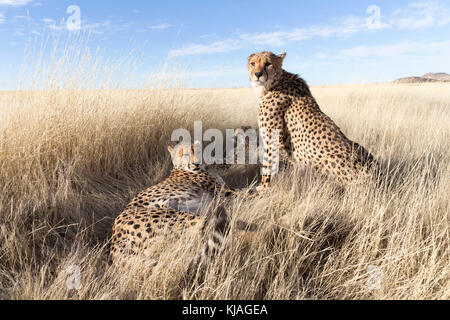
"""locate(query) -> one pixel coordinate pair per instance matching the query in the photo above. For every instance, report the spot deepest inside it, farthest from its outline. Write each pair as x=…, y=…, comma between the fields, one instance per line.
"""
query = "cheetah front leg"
x=274, y=137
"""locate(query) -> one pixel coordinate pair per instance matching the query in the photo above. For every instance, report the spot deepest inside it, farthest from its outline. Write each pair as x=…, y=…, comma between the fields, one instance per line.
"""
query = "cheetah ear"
x=282, y=56
x=170, y=149
x=181, y=153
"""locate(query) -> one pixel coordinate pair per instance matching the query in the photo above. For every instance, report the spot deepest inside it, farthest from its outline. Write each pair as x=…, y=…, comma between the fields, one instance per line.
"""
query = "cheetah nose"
x=258, y=74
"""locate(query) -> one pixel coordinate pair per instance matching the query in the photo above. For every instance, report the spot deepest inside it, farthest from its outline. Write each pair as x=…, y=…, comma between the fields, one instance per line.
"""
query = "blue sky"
x=327, y=42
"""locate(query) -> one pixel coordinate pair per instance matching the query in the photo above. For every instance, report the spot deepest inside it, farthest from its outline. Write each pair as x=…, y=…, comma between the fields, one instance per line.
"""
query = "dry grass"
x=70, y=160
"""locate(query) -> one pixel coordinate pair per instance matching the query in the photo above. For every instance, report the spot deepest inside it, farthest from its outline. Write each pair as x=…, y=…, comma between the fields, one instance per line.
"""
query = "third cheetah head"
x=263, y=69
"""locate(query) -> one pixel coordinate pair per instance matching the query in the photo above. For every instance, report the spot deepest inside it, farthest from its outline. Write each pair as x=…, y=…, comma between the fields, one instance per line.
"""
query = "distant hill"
x=440, y=76
x=429, y=77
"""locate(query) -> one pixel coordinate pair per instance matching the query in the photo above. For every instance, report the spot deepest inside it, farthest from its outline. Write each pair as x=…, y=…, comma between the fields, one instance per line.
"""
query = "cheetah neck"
x=283, y=80
x=260, y=91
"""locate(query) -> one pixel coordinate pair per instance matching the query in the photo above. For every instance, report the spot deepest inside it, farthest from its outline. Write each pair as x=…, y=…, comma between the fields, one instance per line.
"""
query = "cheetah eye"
x=268, y=64
x=252, y=64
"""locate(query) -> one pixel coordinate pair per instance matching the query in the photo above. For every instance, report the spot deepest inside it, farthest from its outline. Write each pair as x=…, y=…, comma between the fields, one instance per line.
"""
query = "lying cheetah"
x=174, y=204
x=288, y=109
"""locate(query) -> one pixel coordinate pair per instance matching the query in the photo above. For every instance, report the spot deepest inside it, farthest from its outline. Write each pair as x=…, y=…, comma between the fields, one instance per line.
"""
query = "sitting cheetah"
x=289, y=114
x=175, y=203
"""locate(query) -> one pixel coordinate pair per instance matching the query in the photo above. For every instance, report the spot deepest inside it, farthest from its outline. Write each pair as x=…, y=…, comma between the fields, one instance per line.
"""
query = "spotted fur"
x=305, y=133
x=171, y=206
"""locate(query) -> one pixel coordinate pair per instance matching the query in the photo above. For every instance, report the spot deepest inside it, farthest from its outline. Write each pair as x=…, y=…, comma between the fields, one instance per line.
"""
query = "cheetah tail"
x=219, y=225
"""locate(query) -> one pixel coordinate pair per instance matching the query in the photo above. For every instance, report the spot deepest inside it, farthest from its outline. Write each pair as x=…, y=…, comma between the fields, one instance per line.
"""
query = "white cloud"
x=402, y=49
x=14, y=2
x=321, y=55
x=416, y=15
x=419, y=15
x=21, y=17
x=47, y=20
x=346, y=27
x=277, y=38
x=2, y=18
x=95, y=28
x=215, y=47
x=216, y=71
x=160, y=26
x=377, y=50
x=37, y=33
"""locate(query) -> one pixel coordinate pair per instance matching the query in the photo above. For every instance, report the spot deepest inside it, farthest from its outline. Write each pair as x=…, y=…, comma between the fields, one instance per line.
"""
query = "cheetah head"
x=184, y=157
x=263, y=69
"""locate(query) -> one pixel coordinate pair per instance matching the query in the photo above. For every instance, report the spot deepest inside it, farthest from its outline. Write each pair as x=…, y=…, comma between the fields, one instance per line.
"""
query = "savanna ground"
x=70, y=160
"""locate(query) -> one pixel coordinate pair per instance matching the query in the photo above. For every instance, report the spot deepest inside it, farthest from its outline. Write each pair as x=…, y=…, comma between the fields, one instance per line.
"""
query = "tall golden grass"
x=71, y=158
